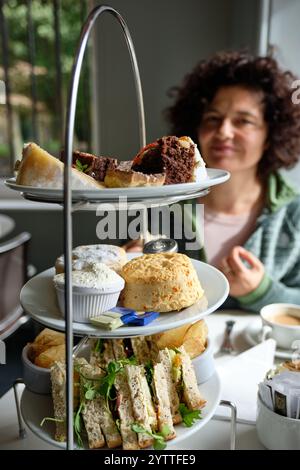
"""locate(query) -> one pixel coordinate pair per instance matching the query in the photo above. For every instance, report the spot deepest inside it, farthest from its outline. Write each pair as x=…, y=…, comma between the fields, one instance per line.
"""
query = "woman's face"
x=233, y=133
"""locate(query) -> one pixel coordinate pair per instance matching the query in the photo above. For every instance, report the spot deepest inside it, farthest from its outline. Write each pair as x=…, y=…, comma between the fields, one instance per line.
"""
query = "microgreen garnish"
x=77, y=424
x=118, y=424
x=149, y=371
x=113, y=368
x=99, y=346
x=56, y=420
x=80, y=166
x=188, y=416
x=90, y=391
x=176, y=350
x=159, y=437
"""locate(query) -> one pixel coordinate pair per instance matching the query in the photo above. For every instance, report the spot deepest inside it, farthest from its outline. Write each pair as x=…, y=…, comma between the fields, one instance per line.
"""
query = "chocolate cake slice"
x=177, y=157
x=92, y=165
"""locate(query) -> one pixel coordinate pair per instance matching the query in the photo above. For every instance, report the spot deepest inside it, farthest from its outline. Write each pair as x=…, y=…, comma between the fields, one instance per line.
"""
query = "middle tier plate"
x=38, y=298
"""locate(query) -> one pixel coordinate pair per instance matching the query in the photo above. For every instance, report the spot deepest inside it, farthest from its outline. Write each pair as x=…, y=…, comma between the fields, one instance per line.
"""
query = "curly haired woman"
x=239, y=109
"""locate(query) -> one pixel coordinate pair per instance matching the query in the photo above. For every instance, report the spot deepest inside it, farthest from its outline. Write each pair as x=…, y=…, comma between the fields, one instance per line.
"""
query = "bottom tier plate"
x=36, y=407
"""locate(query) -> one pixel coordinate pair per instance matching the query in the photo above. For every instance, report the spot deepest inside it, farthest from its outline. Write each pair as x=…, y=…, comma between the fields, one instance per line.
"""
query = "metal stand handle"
x=22, y=430
x=70, y=120
x=232, y=407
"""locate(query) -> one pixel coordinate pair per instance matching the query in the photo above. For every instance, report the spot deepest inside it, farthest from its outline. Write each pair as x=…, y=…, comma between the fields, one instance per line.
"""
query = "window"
x=38, y=43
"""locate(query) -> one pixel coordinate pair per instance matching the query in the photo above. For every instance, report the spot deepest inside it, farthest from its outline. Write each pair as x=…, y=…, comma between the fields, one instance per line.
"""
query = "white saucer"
x=252, y=334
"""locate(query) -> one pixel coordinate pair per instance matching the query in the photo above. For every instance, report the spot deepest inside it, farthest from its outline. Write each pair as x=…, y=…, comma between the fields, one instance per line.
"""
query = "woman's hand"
x=242, y=279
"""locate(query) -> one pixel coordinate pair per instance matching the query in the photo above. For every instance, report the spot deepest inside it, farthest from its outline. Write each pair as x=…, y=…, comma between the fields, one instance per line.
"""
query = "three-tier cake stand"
x=42, y=307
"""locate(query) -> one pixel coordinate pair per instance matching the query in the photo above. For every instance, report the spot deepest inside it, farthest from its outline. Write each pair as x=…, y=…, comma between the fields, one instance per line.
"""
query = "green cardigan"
x=276, y=242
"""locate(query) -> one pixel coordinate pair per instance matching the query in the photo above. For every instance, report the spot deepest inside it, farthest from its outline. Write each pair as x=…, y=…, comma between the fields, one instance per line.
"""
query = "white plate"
x=38, y=298
x=252, y=334
x=215, y=177
x=43, y=407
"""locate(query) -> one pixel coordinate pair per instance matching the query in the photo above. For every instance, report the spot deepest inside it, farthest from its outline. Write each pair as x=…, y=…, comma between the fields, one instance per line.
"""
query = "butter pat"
x=107, y=320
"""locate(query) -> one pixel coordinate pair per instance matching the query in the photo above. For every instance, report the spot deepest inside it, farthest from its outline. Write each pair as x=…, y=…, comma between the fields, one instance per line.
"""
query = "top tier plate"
x=171, y=191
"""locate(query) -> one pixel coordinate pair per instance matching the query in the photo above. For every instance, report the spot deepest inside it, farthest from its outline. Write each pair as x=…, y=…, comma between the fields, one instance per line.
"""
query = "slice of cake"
x=177, y=157
x=124, y=177
x=92, y=165
x=40, y=169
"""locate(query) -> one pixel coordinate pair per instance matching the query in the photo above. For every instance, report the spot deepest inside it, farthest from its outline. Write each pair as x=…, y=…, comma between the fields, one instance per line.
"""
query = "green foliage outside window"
x=71, y=16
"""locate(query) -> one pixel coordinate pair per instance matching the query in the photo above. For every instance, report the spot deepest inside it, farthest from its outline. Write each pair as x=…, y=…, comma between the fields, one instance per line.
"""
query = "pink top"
x=222, y=232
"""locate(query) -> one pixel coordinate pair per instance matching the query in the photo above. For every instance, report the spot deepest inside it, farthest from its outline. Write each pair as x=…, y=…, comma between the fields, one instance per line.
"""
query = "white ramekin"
x=89, y=303
x=204, y=364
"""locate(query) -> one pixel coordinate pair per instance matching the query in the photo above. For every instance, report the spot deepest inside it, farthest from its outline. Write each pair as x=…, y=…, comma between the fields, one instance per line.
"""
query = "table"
x=215, y=435
x=7, y=225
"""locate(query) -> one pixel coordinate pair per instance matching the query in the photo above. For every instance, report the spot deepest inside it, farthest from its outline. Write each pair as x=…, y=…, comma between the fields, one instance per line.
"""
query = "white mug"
x=286, y=336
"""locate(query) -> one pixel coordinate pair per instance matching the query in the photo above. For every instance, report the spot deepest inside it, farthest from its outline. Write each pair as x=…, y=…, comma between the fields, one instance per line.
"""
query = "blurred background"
x=38, y=43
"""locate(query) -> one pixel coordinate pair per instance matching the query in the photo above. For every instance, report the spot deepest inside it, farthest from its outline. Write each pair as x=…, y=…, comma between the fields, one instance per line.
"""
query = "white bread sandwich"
x=164, y=414
x=140, y=349
x=125, y=411
x=108, y=353
x=118, y=349
x=164, y=357
x=191, y=394
x=142, y=409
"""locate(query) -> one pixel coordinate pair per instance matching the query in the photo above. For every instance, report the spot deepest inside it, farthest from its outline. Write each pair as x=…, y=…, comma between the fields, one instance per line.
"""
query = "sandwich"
x=58, y=381
x=118, y=402
x=96, y=414
x=191, y=394
x=142, y=408
x=163, y=407
x=166, y=357
x=125, y=411
x=141, y=349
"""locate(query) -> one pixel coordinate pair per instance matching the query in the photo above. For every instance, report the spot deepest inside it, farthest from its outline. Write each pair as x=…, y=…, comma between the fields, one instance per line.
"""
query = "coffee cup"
x=282, y=323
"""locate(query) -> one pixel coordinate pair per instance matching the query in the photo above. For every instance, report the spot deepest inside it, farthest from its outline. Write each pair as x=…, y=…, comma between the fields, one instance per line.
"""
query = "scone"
x=113, y=256
x=124, y=177
x=40, y=169
x=161, y=282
